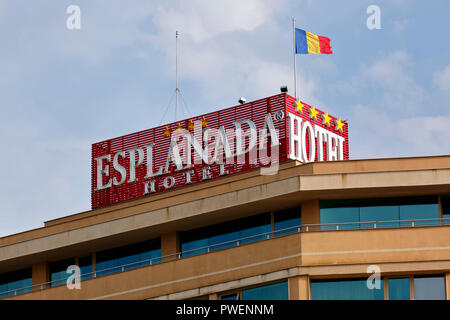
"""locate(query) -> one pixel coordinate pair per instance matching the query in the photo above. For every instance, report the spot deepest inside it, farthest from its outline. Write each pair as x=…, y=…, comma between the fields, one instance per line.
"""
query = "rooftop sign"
x=259, y=134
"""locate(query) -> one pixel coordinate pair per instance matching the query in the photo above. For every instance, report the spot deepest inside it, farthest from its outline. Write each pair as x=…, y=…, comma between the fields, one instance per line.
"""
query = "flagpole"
x=295, y=64
x=176, y=75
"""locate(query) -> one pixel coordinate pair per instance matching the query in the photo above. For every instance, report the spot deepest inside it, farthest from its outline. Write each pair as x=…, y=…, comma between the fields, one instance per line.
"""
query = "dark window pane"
x=380, y=214
x=153, y=257
x=445, y=202
x=223, y=240
x=128, y=257
x=229, y=297
x=21, y=286
x=254, y=228
x=15, y=282
x=398, y=289
x=85, y=264
x=286, y=221
x=194, y=247
x=446, y=220
x=334, y=217
x=104, y=268
x=256, y=233
x=225, y=235
x=58, y=271
x=369, y=210
x=194, y=242
x=276, y=291
x=429, y=288
x=419, y=211
x=345, y=290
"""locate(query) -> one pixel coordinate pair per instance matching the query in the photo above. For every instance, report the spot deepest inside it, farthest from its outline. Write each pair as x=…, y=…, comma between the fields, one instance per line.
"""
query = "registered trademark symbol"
x=278, y=115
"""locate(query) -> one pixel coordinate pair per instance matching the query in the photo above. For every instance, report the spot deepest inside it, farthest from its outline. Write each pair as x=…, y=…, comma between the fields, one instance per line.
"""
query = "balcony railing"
x=237, y=242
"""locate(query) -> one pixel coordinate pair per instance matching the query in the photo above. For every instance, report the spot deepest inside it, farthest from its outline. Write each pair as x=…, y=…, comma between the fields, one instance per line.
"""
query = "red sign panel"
x=148, y=162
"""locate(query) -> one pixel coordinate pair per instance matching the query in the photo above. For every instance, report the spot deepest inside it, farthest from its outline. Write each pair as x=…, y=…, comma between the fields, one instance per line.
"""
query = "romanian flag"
x=308, y=43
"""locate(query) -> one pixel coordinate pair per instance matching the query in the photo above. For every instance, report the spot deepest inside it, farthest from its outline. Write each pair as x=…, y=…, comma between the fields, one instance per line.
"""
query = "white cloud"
x=202, y=19
x=442, y=79
x=376, y=133
x=395, y=84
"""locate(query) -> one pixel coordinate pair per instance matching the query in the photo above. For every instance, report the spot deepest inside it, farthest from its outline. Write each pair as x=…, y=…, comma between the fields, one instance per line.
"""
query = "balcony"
x=309, y=246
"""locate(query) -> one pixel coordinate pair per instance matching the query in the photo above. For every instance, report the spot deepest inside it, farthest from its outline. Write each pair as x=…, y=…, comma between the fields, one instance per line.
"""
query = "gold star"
x=314, y=113
x=190, y=125
x=167, y=132
x=204, y=122
x=179, y=127
x=300, y=105
x=326, y=119
x=340, y=125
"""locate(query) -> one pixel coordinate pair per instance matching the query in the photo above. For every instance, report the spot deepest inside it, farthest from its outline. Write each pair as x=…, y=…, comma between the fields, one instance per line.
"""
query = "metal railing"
x=361, y=225
x=238, y=242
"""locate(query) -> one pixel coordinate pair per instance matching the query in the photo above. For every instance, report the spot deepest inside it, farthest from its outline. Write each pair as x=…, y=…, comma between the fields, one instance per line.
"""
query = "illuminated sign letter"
x=173, y=156
x=133, y=163
x=101, y=171
x=119, y=168
x=321, y=135
x=295, y=137
x=307, y=126
x=150, y=172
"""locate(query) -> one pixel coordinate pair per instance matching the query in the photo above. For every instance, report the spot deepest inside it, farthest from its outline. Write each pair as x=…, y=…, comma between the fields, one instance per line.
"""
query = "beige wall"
x=170, y=246
x=299, y=288
x=40, y=274
x=310, y=212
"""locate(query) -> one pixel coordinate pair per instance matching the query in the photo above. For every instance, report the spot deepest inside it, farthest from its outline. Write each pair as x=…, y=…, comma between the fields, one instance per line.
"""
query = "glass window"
x=445, y=202
x=398, y=289
x=446, y=217
x=195, y=242
x=225, y=235
x=15, y=282
x=128, y=257
x=419, y=211
x=429, y=288
x=333, y=213
x=352, y=289
x=382, y=211
x=85, y=265
x=194, y=247
x=255, y=228
x=233, y=296
x=276, y=291
x=58, y=271
x=286, y=221
x=380, y=214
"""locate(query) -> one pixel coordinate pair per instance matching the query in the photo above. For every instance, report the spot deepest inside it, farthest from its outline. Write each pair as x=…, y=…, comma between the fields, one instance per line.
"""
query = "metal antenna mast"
x=176, y=75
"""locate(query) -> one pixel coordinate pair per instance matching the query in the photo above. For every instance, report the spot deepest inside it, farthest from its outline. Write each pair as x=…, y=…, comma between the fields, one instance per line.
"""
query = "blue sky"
x=62, y=90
